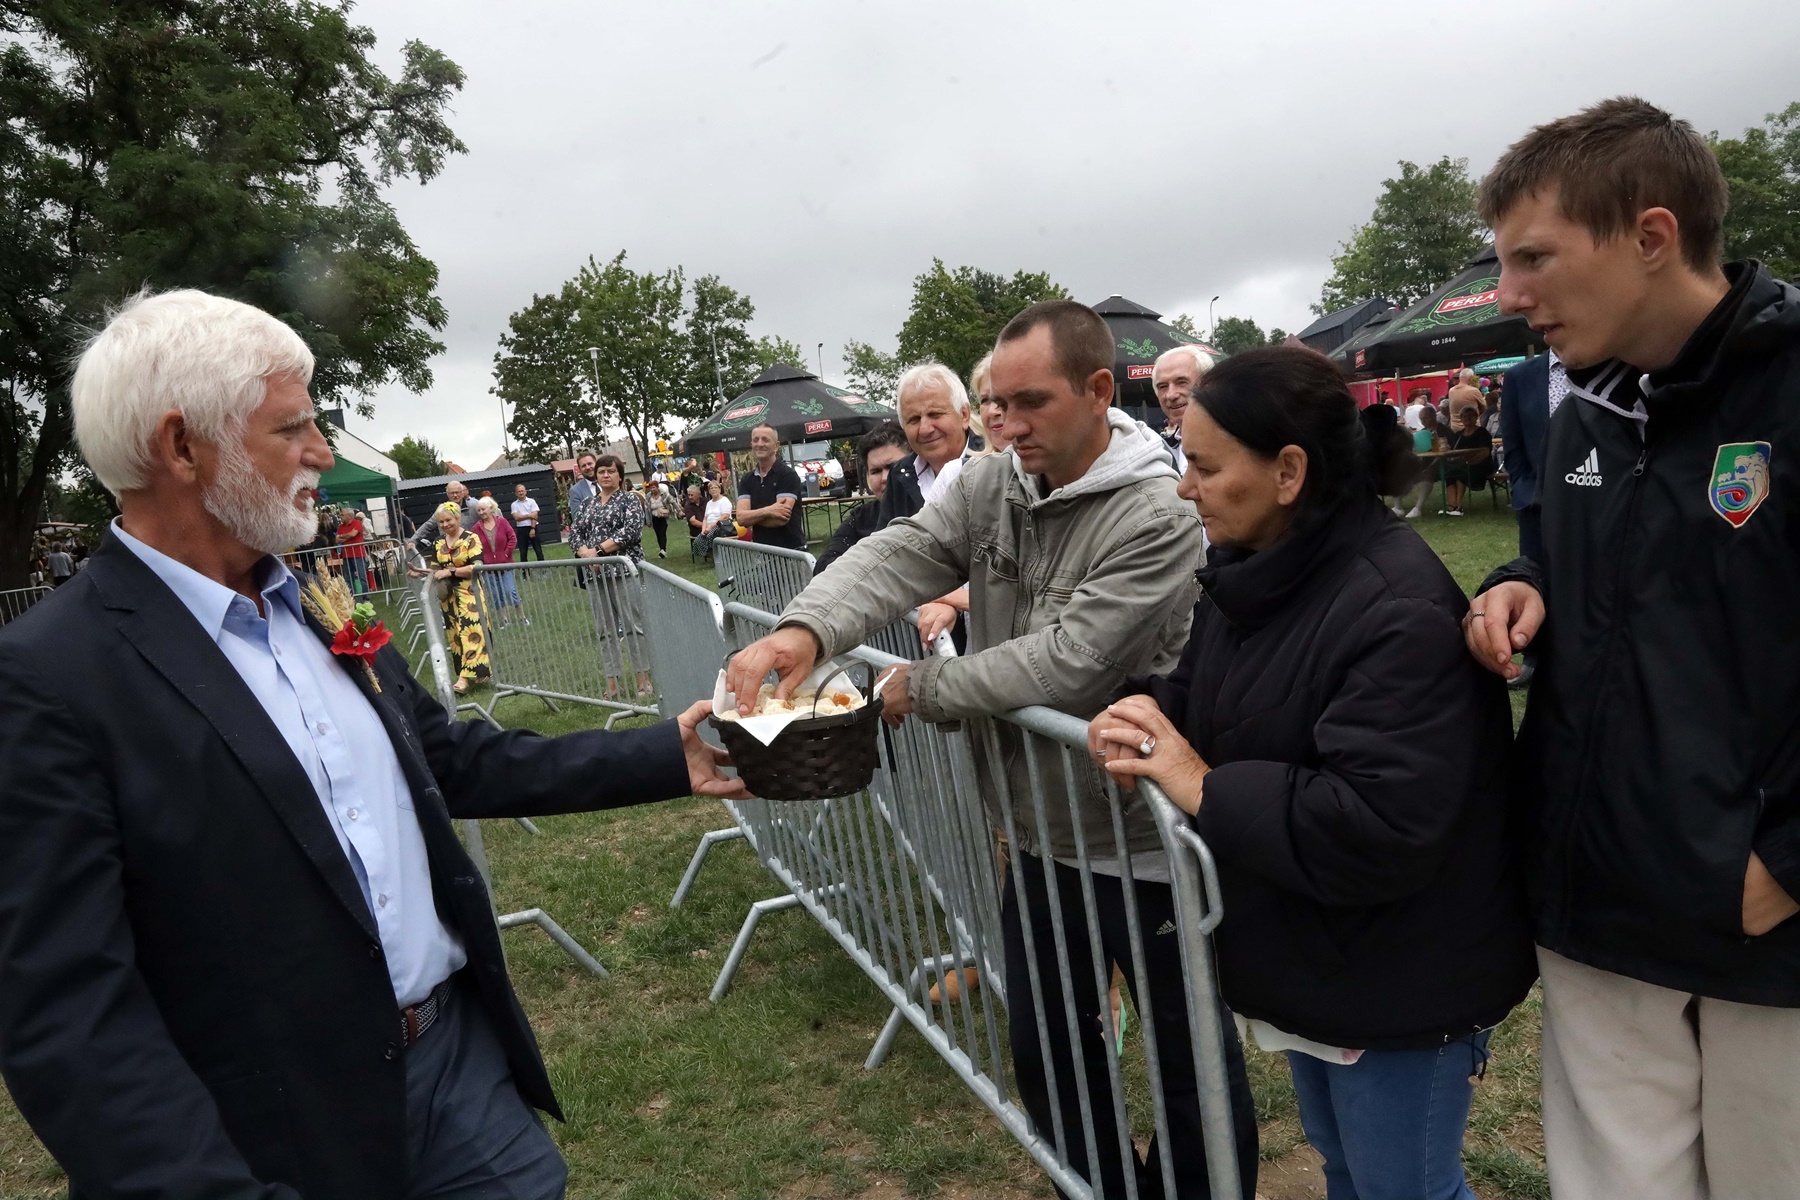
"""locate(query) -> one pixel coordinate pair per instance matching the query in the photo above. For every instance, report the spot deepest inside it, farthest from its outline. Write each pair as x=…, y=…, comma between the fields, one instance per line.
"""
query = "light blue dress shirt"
x=340, y=742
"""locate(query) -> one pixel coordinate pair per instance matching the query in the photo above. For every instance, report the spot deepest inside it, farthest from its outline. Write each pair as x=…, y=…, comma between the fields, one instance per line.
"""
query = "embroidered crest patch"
x=1740, y=480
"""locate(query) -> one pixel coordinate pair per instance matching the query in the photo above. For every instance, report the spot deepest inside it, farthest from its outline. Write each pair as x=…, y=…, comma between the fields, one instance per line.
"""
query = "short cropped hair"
x=927, y=374
x=885, y=434
x=204, y=356
x=1083, y=341
x=613, y=461
x=1202, y=360
x=1611, y=162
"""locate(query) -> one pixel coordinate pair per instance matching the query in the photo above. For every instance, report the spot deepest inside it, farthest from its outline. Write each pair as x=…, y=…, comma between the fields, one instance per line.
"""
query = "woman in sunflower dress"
x=453, y=559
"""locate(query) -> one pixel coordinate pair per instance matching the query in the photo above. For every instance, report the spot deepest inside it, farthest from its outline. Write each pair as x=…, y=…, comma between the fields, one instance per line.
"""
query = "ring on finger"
x=1147, y=747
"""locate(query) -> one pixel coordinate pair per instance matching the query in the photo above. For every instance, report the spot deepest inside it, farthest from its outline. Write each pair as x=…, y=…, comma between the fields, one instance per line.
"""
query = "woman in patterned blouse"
x=612, y=526
x=453, y=560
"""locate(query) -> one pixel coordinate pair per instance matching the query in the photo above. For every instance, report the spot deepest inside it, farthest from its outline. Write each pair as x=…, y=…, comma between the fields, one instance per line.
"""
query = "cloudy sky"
x=816, y=156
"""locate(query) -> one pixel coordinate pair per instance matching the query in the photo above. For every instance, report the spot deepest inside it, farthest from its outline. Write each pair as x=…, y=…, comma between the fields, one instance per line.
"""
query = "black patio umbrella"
x=1459, y=322
x=1352, y=356
x=1140, y=336
x=799, y=407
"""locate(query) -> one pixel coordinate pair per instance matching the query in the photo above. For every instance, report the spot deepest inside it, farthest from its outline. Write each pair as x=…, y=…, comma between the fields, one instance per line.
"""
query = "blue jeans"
x=502, y=590
x=1390, y=1126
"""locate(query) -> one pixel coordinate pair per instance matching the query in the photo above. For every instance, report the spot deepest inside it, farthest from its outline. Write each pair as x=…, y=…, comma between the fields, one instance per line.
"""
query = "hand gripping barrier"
x=904, y=877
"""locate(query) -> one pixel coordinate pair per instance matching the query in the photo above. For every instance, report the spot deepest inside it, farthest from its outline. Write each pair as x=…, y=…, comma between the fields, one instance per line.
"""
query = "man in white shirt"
x=934, y=412
x=525, y=520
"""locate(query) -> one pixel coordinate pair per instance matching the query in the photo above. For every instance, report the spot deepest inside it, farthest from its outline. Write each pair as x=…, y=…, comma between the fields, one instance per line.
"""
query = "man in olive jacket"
x=1080, y=562
x=1658, y=761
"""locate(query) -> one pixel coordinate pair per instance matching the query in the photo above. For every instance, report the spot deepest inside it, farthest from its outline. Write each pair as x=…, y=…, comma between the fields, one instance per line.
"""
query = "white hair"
x=1202, y=360
x=928, y=374
x=203, y=356
x=487, y=504
x=1466, y=375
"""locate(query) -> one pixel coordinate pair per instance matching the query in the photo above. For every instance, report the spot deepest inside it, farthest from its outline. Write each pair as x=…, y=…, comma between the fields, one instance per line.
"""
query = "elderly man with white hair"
x=242, y=952
x=1176, y=372
x=934, y=412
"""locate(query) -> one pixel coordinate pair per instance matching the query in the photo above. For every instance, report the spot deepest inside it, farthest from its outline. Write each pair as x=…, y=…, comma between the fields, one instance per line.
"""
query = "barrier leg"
x=707, y=842
x=571, y=947
x=885, y=1043
x=751, y=920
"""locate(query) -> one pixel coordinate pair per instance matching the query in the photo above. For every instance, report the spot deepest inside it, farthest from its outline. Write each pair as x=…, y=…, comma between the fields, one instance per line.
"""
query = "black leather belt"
x=416, y=1019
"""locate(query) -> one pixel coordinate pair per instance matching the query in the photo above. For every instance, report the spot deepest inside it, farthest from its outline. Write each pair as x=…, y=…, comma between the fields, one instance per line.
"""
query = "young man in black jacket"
x=1659, y=761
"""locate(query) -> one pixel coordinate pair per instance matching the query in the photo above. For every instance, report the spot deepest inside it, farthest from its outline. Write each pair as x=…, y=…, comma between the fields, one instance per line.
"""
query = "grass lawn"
x=764, y=1095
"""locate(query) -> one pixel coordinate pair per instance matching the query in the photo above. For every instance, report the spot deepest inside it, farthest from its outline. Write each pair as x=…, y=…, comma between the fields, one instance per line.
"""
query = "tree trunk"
x=23, y=501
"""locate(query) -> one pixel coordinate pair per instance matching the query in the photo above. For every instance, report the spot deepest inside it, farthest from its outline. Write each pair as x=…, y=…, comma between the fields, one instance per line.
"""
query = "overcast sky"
x=816, y=156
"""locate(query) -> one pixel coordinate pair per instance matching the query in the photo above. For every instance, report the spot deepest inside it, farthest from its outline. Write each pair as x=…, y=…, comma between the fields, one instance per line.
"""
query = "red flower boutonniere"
x=360, y=633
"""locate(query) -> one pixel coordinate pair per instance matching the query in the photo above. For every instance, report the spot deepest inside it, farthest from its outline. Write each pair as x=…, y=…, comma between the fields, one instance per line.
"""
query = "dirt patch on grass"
x=1294, y=1176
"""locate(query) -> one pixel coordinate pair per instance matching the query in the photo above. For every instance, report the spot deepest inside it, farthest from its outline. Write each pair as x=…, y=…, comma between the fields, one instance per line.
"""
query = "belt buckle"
x=417, y=1018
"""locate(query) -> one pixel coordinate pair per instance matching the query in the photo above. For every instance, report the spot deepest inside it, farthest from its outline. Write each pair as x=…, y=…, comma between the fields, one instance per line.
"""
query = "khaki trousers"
x=1653, y=1094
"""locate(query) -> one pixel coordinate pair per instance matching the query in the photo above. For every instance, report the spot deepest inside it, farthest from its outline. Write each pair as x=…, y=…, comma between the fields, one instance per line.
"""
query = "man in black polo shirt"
x=769, y=496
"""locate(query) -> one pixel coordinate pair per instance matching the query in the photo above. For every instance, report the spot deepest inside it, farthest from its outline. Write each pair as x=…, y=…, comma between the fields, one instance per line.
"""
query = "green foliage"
x=659, y=360
x=956, y=315
x=417, y=458
x=1277, y=336
x=1234, y=334
x=870, y=373
x=1423, y=230
x=1186, y=324
x=1763, y=170
x=237, y=146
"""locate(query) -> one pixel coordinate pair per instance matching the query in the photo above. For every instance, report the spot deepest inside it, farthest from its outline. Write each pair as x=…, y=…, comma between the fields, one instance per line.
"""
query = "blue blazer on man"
x=1524, y=424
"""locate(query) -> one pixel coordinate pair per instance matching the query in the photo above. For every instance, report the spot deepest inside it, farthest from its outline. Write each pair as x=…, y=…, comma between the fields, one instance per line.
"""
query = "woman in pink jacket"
x=498, y=541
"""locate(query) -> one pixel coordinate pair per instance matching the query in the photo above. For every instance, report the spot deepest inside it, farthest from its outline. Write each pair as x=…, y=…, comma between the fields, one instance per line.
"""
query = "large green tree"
x=238, y=146
x=1424, y=228
x=618, y=347
x=956, y=315
x=417, y=458
x=1234, y=334
x=1763, y=170
x=871, y=373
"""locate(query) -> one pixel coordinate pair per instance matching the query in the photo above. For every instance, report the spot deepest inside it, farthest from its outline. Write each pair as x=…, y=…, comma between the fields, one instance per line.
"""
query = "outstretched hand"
x=1133, y=739
x=703, y=760
x=791, y=653
x=1502, y=621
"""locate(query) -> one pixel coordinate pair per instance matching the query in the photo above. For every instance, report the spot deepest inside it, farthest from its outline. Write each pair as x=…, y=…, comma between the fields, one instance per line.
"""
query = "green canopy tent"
x=349, y=484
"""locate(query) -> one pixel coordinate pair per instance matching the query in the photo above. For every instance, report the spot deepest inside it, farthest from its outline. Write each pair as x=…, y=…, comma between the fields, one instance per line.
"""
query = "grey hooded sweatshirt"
x=1069, y=593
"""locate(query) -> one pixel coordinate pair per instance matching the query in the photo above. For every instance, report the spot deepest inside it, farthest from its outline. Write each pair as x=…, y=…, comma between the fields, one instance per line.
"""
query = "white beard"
x=254, y=510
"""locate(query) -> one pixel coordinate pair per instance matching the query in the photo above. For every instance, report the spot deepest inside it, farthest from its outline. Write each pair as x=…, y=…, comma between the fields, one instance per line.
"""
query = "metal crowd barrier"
x=380, y=572
x=577, y=634
x=904, y=877
x=443, y=678
x=765, y=577
x=14, y=601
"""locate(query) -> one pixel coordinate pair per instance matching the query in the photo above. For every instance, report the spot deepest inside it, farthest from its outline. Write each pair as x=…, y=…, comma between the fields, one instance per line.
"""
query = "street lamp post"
x=594, y=363
x=1211, y=326
x=821, y=353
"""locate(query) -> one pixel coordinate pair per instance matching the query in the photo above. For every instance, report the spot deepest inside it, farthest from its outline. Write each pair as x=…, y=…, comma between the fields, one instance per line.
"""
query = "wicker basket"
x=812, y=759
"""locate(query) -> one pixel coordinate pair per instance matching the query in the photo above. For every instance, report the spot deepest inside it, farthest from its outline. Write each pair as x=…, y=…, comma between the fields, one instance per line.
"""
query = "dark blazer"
x=1524, y=424
x=193, y=998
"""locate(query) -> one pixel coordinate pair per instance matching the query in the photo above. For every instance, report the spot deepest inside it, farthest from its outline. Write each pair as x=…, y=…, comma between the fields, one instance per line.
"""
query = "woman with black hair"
x=1344, y=763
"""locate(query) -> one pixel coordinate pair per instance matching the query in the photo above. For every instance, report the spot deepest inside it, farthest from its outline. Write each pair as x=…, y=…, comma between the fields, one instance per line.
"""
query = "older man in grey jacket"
x=1080, y=562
